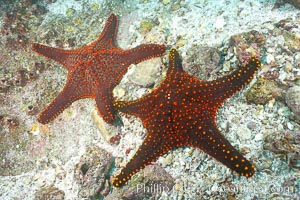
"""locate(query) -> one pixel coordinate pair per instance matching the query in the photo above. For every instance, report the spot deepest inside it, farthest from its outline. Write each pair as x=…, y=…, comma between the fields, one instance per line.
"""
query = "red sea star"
x=94, y=70
x=181, y=111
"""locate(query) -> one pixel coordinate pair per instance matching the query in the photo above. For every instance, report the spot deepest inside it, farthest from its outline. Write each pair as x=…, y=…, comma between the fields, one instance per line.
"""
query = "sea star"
x=94, y=70
x=181, y=111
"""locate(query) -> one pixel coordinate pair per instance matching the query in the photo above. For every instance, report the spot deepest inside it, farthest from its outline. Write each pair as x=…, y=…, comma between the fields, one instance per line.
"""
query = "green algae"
x=95, y=7
x=70, y=12
x=77, y=21
x=146, y=26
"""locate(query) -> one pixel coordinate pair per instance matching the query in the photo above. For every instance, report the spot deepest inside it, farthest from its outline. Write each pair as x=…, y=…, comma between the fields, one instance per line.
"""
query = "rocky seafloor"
x=74, y=156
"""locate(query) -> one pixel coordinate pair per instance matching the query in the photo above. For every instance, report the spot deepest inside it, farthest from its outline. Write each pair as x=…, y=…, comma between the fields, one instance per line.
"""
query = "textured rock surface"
x=150, y=183
x=295, y=3
x=50, y=193
x=92, y=173
x=286, y=145
x=263, y=91
x=293, y=99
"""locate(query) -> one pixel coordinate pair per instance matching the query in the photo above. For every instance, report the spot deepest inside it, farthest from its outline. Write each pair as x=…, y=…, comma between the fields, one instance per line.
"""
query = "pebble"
x=226, y=66
x=284, y=111
x=244, y=133
x=36, y=177
x=288, y=68
x=181, y=42
x=119, y=92
x=168, y=160
x=293, y=99
x=177, y=187
x=251, y=125
x=223, y=125
x=27, y=181
x=270, y=58
x=107, y=131
x=290, y=126
x=270, y=50
x=220, y=23
x=280, y=127
x=165, y=2
x=259, y=137
x=271, y=27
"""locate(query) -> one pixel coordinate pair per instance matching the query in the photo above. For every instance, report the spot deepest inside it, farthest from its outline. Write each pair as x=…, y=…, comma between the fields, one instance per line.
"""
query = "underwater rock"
x=284, y=111
x=295, y=3
x=40, y=67
x=16, y=24
x=20, y=78
x=292, y=99
x=32, y=110
x=148, y=184
x=292, y=41
x=119, y=92
x=31, y=75
x=146, y=73
x=263, y=91
x=92, y=173
x=265, y=163
x=50, y=193
x=5, y=84
x=109, y=132
x=254, y=37
x=247, y=44
x=285, y=24
x=202, y=66
x=286, y=145
x=8, y=121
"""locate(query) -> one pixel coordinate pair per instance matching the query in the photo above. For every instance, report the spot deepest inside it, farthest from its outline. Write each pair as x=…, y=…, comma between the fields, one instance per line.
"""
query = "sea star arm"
x=140, y=107
x=218, y=90
x=148, y=152
x=68, y=58
x=104, y=103
x=209, y=139
x=73, y=57
x=75, y=88
x=143, y=52
x=107, y=39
